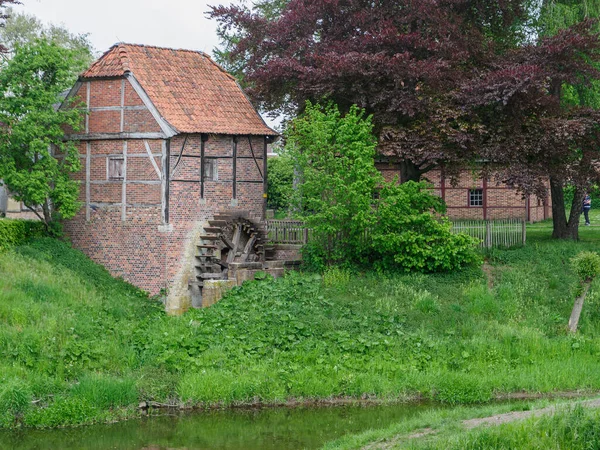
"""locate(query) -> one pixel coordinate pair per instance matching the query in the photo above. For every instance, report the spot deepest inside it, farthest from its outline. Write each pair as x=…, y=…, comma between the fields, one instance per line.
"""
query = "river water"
x=246, y=429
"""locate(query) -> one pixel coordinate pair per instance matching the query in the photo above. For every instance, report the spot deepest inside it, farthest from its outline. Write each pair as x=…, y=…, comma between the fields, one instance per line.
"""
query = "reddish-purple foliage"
x=448, y=81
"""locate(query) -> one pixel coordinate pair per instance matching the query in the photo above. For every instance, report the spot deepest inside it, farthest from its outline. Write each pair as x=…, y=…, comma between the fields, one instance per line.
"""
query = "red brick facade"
x=473, y=198
x=138, y=224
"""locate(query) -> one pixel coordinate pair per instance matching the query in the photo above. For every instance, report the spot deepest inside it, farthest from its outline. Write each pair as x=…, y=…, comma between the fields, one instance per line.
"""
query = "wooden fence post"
x=488, y=234
x=524, y=231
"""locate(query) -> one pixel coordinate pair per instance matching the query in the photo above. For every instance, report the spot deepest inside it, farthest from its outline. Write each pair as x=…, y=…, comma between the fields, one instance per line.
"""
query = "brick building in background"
x=169, y=140
x=475, y=198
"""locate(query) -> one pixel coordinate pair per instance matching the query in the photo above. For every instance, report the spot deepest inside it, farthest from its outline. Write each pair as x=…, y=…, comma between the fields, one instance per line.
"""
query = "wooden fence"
x=287, y=232
x=491, y=233
x=494, y=233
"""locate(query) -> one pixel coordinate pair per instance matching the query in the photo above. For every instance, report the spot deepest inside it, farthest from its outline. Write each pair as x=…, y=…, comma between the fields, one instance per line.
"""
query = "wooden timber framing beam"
x=234, y=150
x=122, y=128
x=203, y=139
x=129, y=155
x=106, y=182
x=156, y=169
x=254, y=157
x=166, y=156
x=87, y=106
x=88, y=162
x=112, y=136
x=124, y=187
x=180, y=155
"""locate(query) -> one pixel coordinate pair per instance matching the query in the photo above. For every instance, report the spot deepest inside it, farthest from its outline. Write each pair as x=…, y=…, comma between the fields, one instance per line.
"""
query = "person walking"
x=587, y=205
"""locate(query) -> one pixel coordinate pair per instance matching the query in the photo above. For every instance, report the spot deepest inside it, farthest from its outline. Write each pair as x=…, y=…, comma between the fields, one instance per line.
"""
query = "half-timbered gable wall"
x=144, y=195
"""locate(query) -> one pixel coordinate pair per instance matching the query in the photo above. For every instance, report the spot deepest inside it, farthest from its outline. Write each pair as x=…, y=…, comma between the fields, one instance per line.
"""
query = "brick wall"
x=499, y=200
x=121, y=225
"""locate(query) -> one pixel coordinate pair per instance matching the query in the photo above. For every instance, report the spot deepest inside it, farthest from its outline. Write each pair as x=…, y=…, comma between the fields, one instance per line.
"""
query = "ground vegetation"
x=78, y=346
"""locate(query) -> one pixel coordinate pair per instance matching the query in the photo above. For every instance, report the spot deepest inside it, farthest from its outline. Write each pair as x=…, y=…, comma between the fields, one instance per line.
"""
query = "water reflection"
x=255, y=429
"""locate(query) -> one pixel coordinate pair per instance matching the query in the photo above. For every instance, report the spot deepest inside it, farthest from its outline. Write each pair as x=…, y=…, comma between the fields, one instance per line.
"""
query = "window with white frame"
x=475, y=197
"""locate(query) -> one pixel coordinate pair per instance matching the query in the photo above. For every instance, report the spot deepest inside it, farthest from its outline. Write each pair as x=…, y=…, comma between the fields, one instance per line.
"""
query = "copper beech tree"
x=448, y=82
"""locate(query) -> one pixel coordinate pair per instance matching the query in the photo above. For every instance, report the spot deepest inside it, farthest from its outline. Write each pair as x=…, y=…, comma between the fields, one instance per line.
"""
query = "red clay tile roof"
x=191, y=92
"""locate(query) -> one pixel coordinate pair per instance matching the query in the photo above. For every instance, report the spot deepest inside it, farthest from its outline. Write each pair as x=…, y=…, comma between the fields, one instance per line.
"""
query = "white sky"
x=167, y=23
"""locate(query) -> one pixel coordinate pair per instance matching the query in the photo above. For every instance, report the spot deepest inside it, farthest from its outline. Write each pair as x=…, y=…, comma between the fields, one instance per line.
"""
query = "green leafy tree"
x=35, y=161
x=22, y=28
x=356, y=216
x=281, y=181
x=335, y=156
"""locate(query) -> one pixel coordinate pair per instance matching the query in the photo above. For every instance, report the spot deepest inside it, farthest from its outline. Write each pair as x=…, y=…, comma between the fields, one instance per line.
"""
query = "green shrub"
x=281, y=179
x=408, y=235
x=586, y=265
x=355, y=215
x=17, y=232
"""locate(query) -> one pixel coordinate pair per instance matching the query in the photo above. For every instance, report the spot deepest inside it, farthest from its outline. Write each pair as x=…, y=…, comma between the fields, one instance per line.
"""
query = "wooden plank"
x=236, y=242
x=149, y=152
x=248, y=248
x=226, y=241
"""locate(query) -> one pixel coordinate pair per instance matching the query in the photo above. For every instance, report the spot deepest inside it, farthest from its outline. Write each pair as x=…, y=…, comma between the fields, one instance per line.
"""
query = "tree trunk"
x=559, y=215
x=577, y=308
x=409, y=171
x=575, y=215
x=47, y=213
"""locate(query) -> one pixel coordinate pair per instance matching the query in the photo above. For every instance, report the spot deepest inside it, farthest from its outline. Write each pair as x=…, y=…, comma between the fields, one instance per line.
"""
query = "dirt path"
x=469, y=424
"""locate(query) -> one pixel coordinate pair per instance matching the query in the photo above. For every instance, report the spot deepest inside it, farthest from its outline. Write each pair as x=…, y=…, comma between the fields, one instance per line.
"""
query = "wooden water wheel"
x=230, y=237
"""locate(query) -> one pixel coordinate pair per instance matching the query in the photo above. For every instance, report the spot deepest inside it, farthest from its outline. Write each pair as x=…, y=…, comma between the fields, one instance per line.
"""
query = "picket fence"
x=490, y=233
x=494, y=233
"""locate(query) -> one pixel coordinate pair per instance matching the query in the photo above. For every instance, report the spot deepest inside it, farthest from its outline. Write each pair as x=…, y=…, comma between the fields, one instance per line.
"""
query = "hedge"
x=16, y=232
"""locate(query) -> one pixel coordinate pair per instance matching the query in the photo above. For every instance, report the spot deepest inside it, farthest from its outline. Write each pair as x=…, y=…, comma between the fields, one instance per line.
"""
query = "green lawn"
x=77, y=346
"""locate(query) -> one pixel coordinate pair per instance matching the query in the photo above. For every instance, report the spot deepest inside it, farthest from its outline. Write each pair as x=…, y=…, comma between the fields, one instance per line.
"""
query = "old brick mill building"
x=170, y=142
x=170, y=139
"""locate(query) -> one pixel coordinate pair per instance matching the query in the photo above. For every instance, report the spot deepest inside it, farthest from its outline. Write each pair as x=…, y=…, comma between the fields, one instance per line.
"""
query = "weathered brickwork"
x=121, y=225
x=497, y=200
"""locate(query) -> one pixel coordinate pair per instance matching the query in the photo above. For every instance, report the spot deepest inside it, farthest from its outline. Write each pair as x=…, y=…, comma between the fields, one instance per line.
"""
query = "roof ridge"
x=123, y=57
x=160, y=47
x=200, y=52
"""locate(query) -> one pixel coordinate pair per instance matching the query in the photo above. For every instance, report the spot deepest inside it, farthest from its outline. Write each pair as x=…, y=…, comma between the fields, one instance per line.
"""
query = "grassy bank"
x=462, y=428
x=77, y=346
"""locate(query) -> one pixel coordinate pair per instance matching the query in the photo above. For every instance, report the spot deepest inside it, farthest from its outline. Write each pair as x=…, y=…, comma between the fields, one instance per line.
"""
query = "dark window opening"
x=210, y=170
x=475, y=197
